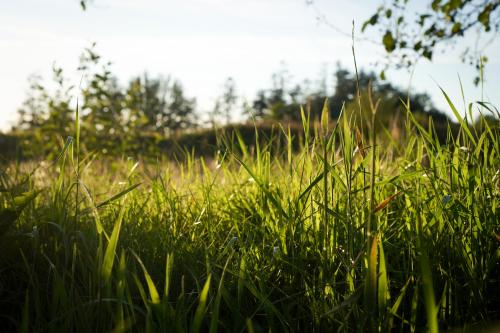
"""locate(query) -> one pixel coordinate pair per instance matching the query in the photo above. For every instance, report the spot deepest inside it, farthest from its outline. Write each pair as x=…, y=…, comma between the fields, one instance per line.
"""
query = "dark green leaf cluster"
x=410, y=34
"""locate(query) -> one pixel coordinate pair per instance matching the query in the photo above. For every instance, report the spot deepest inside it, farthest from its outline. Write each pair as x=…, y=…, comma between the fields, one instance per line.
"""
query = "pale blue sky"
x=201, y=42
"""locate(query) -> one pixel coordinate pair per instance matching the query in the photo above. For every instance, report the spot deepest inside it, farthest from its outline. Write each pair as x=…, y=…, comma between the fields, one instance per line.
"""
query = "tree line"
x=115, y=118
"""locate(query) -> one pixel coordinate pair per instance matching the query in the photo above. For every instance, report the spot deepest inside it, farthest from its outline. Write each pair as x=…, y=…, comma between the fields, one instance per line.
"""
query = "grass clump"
x=351, y=233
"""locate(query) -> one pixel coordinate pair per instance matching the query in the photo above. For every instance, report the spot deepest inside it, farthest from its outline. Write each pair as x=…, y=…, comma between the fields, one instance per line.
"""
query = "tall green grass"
x=354, y=232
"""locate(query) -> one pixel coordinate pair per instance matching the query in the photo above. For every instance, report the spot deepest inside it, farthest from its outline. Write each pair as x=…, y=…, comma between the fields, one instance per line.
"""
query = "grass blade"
x=200, y=310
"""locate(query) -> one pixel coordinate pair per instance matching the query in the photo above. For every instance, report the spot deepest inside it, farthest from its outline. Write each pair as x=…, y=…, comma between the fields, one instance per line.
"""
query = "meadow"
x=357, y=229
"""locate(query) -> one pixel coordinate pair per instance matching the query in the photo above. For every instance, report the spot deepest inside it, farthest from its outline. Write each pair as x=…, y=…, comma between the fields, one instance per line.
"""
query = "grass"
x=354, y=232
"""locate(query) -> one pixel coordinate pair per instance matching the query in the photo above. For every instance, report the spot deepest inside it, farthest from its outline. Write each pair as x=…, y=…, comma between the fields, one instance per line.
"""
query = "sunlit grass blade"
x=169, y=266
x=383, y=282
x=200, y=310
x=264, y=188
x=370, y=293
x=214, y=321
x=463, y=125
x=117, y=196
x=95, y=213
x=153, y=292
x=10, y=214
x=428, y=288
x=110, y=254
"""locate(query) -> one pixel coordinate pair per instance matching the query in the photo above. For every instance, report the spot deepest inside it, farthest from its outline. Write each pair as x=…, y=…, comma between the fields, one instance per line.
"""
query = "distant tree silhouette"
x=277, y=103
x=226, y=103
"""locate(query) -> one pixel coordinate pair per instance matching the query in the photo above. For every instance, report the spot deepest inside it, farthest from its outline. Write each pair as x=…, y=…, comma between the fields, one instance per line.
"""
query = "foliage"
x=410, y=34
x=47, y=112
x=340, y=235
x=154, y=106
x=280, y=103
x=144, y=116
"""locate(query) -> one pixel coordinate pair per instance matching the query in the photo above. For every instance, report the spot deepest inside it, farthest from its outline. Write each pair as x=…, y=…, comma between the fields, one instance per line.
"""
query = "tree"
x=391, y=111
x=259, y=105
x=145, y=103
x=102, y=97
x=278, y=102
x=32, y=112
x=347, y=83
x=410, y=34
x=225, y=104
x=281, y=104
x=443, y=22
x=46, y=114
x=157, y=105
x=135, y=118
x=60, y=113
x=48, y=108
x=179, y=111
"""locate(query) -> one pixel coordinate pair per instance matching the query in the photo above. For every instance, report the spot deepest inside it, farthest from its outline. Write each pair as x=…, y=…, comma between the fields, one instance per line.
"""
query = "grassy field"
x=355, y=232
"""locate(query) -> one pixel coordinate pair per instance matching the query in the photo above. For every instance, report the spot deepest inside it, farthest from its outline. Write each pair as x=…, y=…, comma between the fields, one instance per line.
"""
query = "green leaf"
x=399, y=300
x=324, y=117
x=455, y=4
x=9, y=215
x=117, y=196
x=153, y=292
x=435, y=5
x=382, y=75
x=484, y=16
x=457, y=27
x=214, y=322
x=264, y=188
x=429, y=301
x=370, y=291
x=24, y=199
x=313, y=183
x=109, y=255
x=200, y=310
x=241, y=278
x=372, y=21
x=168, y=274
x=461, y=120
x=389, y=42
x=383, y=281
x=427, y=53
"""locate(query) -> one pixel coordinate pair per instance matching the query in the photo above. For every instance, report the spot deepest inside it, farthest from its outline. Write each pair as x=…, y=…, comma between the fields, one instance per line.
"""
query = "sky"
x=202, y=42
